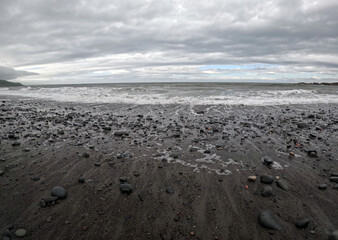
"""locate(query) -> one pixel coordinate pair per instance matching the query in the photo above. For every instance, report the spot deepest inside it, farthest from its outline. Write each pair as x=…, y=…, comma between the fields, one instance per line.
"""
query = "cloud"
x=7, y=73
x=158, y=40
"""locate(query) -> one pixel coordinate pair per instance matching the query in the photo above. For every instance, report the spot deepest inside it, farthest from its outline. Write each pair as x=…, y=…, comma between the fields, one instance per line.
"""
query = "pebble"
x=81, y=180
x=322, y=186
x=282, y=184
x=334, y=179
x=35, y=178
x=252, y=178
x=59, y=192
x=126, y=188
x=97, y=164
x=20, y=232
x=267, y=160
x=267, y=219
x=268, y=179
x=170, y=190
x=123, y=179
x=312, y=153
x=334, y=235
x=267, y=191
x=1, y=172
x=85, y=155
x=303, y=223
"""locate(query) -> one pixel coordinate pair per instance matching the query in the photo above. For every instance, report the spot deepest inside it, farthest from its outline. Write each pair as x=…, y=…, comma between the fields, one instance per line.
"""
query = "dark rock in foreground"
x=59, y=192
x=303, y=223
x=267, y=219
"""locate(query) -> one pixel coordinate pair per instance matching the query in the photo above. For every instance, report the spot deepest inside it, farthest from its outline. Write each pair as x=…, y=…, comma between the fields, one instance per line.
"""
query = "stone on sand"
x=267, y=191
x=20, y=232
x=267, y=219
x=282, y=184
x=126, y=188
x=303, y=223
x=59, y=192
x=268, y=179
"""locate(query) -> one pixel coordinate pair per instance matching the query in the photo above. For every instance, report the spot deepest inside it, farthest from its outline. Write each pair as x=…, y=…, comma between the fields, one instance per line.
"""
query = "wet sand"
x=188, y=166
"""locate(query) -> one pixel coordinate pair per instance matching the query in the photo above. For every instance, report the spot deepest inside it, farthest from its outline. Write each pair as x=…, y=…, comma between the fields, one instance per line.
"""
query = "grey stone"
x=268, y=179
x=126, y=188
x=303, y=223
x=322, y=186
x=59, y=192
x=267, y=160
x=20, y=232
x=170, y=190
x=334, y=235
x=282, y=184
x=267, y=191
x=334, y=179
x=267, y=219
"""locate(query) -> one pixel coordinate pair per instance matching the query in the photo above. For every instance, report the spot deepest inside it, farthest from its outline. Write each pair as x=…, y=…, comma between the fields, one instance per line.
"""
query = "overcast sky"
x=63, y=41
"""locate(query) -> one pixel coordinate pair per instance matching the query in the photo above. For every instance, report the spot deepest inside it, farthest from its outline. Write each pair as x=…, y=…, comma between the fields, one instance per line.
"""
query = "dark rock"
x=85, y=154
x=282, y=184
x=126, y=188
x=97, y=164
x=268, y=179
x=267, y=219
x=35, y=178
x=16, y=144
x=107, y=128
x=302, y=125
x=267, y=191
x=267, y=160
x=207, y=151
x=303, y=223
x=334, y=235
x=312, y=153
x=123, y=179
x=322, y=186
x=334, y=179
x=170, y=190
x=59, y=192
x=81, y=180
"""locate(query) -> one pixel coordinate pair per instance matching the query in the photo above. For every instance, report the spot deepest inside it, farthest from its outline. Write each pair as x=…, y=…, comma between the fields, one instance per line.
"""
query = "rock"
x=81, y=180
x=1, y=172
x=267, y=191
x=97, y=164
x=123, y=179
x=20, y=232
x=322, y=186
x=59, y=192
x=267, y=160
x=252, y=178
x=170, y=190
x=106, y=128
x=268, y=179
x=303, y=223
x=312, y=153
x=334, y=174
x=126, y=188
x=267, y=219
x=334, y=179
x=282, y=184
x=334, y=235
x=35, y=178
x=16, y=144
x=302, y=125
x=85, y=155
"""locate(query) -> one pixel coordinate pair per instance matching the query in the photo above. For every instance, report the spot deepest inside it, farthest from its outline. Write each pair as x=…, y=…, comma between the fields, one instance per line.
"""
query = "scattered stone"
x=1, y=172
x=268, y=179
x=81, y=180
x=126, y=188
x=302, y=125
x=303, y=223
x=123, y=179
x=106, y=128
x=312, y=153
x=85, y=155
x=177, y=218
x=59, y=192
x=334, y=174
x=282, y=184
x=16, y=144
x=334, y=179
x=170, y=190
x=252, y=178
x=267, y=191
x=97, y=164
x=35, y=178
x=267, y=219
x=20, y=232
x=334, y=235
x=322, y=186
x=267, y=161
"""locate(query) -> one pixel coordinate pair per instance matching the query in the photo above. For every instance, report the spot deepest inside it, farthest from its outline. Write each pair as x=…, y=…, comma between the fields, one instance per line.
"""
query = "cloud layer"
x=153, y=40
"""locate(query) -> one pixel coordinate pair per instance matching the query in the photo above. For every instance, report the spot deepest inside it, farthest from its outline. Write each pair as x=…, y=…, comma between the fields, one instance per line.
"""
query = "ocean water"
x=181, y=93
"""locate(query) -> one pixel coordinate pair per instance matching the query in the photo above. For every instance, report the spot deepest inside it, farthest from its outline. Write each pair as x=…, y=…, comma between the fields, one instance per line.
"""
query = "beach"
x=168, y=171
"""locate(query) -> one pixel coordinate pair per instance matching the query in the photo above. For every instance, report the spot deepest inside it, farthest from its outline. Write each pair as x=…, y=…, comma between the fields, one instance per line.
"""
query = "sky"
x=67, y=42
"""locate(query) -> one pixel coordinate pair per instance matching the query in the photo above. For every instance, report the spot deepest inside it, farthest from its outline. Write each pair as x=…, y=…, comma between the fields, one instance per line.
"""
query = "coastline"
x=156, y=147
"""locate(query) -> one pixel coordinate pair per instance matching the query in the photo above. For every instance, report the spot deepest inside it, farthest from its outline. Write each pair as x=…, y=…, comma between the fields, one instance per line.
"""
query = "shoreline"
x=189, y=168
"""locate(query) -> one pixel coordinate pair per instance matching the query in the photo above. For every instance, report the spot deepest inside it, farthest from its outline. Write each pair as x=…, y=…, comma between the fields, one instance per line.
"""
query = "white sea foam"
x=169, y=95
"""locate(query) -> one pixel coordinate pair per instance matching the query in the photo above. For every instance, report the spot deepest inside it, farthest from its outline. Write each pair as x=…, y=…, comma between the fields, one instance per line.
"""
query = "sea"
x=257, y=94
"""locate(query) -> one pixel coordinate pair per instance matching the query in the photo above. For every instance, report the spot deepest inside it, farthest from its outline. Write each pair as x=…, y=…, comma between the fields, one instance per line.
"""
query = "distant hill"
x=4, y=83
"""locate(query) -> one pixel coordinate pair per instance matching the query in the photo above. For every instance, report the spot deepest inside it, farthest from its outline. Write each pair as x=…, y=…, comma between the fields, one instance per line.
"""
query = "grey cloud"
x=185, y=32
x=7, y=73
